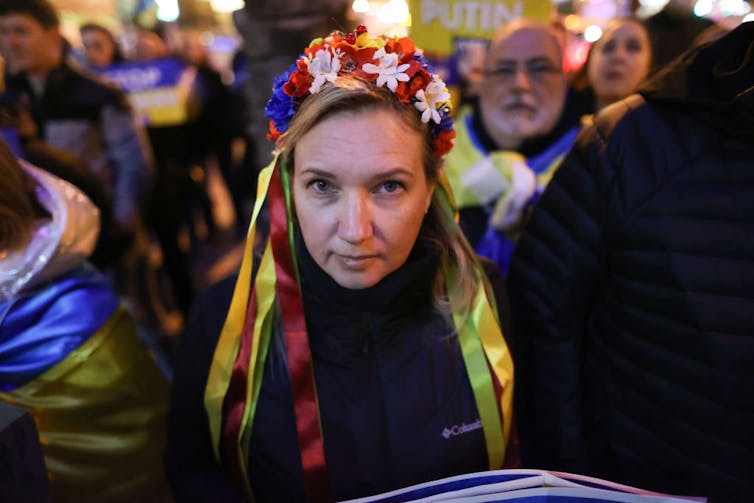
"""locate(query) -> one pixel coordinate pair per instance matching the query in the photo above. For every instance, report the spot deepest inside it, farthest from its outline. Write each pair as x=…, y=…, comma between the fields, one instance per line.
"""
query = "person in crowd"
x=150, y=45
x=167, y=208
x=209, y=132
x=360, y=308
x=244, y=169
x=673, y=30
x=73, y=111
x=69, y=353
x=15, y=124
x=511, y=140
x=617, y=63
x=469, y=62
x=100, y=47
x=631, y=288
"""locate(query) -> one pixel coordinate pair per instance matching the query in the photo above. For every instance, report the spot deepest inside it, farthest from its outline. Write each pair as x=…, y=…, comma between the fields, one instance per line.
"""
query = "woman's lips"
x=355, y=261
x=614, y=75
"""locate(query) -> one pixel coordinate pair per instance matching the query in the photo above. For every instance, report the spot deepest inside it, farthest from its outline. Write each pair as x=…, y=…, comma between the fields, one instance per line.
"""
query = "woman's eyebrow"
x=317, y=172
x=391, y=173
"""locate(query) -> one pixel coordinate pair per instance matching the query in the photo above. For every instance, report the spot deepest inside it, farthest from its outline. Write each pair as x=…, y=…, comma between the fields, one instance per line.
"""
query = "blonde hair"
x=350, y=94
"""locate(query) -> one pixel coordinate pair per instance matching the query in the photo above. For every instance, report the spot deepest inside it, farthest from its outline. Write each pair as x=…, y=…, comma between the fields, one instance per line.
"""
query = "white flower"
x=389, y=71
x=324, y=68
x=430, y=99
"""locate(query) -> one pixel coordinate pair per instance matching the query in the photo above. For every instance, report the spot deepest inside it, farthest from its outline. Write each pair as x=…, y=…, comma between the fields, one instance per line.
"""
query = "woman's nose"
x=619, y=54
x=355, y=223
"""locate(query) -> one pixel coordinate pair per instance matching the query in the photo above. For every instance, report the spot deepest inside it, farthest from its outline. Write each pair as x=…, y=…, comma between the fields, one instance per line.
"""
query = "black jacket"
x=390, y=379
x=632, y=289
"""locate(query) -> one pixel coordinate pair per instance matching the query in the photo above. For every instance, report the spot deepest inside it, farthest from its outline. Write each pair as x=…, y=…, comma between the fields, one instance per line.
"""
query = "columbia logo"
x=459, y=429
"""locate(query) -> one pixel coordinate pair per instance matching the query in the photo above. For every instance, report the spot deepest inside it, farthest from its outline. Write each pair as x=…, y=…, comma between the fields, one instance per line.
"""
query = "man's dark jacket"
x=632, y=288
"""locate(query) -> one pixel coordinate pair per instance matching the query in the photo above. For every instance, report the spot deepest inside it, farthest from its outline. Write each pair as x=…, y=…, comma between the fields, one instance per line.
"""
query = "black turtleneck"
x=401, y=289
x=340, y=318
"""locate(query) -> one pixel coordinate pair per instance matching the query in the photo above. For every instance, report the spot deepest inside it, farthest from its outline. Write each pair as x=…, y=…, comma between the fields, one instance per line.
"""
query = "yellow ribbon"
x=484, y=347
x=230, y=337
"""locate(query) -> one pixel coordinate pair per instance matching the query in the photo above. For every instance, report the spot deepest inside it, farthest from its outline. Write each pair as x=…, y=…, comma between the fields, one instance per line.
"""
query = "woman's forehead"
x=364, y=142
x=624, y=29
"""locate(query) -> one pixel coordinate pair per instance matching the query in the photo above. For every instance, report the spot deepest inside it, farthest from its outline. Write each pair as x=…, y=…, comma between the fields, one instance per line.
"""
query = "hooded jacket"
x=632, y=288
x=69, y=354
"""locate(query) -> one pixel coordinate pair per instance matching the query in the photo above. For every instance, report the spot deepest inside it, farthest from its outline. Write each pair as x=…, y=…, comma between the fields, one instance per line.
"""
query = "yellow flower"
x=365, y=40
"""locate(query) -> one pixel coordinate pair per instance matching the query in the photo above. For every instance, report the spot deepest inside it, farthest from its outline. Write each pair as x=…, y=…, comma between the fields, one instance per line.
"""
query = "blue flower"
x=423, y=60
x=281, y=107
x=446, y=122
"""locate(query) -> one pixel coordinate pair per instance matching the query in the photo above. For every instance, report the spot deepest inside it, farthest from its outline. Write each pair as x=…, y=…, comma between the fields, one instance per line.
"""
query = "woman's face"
x=360, y=193
x=619, y=62
x=98, y=48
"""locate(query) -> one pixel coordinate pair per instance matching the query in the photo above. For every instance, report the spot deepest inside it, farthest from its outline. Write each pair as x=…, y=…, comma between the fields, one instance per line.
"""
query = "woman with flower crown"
x=362, y=350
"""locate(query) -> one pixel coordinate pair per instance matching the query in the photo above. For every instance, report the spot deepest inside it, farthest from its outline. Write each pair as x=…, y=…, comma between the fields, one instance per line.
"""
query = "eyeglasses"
x=537, y=70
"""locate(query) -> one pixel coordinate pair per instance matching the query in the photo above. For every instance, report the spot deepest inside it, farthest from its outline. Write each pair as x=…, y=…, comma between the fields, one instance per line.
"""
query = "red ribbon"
x=236, y=396
x=298, y=352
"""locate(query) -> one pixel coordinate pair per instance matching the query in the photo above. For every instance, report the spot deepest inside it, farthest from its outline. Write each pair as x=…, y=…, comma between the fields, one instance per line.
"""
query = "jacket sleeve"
x=193, y=471
x=555, y=275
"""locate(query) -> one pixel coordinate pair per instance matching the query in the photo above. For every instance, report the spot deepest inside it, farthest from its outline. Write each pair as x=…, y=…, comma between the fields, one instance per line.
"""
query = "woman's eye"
x=391, y=186
x=320, y=186
x=608, y=47
x=633, y=46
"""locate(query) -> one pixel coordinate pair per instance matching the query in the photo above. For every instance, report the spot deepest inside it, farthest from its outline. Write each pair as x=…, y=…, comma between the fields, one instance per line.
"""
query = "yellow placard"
x=164, y=106
x=436, y=23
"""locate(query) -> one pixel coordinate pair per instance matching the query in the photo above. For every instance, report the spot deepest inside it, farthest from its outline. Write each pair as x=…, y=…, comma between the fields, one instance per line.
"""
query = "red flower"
x=404, y=47
x=402, y=92
x=360, y=73
x=274, y=134
x=444, y=142
x=299, y=83
x=413, y=67
x=420, y=80
x=356, y=55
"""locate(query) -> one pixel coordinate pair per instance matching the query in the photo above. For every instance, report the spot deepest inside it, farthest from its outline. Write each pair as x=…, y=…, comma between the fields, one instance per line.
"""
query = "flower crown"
x=391, y=62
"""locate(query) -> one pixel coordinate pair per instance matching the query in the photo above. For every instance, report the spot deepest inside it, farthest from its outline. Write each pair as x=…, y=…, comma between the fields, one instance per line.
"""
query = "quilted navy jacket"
x=632, y=289
x=395, y=401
